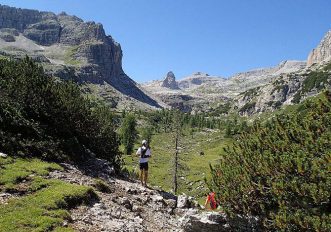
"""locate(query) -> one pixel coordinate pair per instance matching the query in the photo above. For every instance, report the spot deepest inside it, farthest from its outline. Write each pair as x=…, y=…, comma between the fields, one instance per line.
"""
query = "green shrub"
x=280, y=170
x=102, y=186
x=46, y=118
x=315, y=80
x=247, y=107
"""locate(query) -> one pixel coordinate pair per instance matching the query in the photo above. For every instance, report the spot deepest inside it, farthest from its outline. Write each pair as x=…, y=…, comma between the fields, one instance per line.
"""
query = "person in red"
x=211, y=200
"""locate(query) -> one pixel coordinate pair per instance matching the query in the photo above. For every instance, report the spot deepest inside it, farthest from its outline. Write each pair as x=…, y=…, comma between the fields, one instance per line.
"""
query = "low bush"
x=280, y=170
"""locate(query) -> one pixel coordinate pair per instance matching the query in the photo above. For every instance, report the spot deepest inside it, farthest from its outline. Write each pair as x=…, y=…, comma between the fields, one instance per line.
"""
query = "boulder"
x=184, y=201
x=7, y=37
x=218, y=221
x=205, y=222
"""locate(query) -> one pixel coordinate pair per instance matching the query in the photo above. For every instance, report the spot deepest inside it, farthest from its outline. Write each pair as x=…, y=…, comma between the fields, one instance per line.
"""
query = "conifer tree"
x=128, y=133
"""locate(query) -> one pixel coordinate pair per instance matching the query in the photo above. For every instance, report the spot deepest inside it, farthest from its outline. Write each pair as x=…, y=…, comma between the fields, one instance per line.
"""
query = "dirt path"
x=128, y=206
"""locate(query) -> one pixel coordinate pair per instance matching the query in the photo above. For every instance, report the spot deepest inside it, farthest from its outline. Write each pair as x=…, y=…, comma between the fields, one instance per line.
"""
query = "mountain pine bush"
x=43, y=117
x=281, y=170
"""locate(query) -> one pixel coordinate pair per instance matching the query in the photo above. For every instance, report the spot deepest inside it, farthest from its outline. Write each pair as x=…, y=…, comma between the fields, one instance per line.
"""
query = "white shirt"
x=148, y=153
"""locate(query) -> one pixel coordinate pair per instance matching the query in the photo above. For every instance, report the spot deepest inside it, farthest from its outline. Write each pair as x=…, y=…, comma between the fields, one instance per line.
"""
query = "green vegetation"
x=201, y=141
x=318, y=80
x=251, y=92
x=42, y=117
x=44, y=204
x=162, y=120
x=128, y=133
x=235, y=126
x=282, y=87
x=247, y=107
x=69, y=56
x=196, y=153
x=13, y=171
x=102, y=186
x=280, y=170
x=221, y=109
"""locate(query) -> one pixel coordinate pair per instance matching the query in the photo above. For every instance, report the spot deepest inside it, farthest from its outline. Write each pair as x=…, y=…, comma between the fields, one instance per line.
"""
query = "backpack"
x=143, y=152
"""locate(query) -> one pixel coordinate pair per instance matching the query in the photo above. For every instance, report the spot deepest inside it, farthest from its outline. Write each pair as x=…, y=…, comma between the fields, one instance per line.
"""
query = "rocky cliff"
x=170, y=81
x=68, y=46
x=322, y=52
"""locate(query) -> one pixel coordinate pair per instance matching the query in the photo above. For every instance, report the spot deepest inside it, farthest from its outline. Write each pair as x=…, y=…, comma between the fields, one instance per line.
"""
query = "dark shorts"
x=143, y=166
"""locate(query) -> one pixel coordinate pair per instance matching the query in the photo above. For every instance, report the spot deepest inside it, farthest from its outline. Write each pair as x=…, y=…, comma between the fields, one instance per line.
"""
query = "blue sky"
x=213, y=36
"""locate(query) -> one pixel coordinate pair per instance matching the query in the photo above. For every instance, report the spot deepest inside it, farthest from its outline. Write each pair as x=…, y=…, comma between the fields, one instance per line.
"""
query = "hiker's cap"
x=144, y=142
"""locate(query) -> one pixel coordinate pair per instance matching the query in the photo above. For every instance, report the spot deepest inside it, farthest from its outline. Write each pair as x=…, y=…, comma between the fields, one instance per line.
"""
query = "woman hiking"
x=145, y=153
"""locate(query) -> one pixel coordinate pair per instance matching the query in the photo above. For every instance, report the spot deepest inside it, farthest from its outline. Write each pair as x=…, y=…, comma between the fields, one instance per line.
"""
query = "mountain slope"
x=201, y=91
x=68, y=47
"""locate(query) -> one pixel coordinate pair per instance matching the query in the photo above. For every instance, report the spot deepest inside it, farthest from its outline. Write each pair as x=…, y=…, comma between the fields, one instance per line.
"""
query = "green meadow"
x=196, y=153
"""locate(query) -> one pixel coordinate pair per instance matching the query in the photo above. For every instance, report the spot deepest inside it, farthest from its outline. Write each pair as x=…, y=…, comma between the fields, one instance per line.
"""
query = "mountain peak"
x=170, y=81
x=322, y=52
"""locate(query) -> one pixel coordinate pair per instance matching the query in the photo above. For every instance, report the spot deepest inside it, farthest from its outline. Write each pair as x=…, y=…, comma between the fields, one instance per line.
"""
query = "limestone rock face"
x=170, y=81
x=322, y=52
x=17, y=18
x=44, y=33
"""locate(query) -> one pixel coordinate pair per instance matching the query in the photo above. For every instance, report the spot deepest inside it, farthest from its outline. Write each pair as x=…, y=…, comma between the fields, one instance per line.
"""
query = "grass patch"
x=102, y=186
x=43, y=210
x=69, y=56
x=14, y=171
x=44, y=207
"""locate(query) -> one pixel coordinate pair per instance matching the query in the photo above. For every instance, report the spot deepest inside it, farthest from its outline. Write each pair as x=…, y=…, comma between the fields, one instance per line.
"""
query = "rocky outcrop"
x=94, y=56
x=322, y=52
x=179, y=101
x=218, y=222
x=170, y=81
x=44, y=32
x=18, y=18
x=197, y=79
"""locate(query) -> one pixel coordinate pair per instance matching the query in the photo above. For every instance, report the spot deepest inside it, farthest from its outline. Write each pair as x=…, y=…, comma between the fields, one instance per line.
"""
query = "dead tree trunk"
x=175, y=188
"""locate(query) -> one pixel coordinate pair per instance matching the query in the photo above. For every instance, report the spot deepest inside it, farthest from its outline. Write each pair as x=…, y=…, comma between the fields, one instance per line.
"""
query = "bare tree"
x=177, y=128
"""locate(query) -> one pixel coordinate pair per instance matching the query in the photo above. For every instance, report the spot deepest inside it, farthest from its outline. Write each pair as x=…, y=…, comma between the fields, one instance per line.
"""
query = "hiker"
x=145, y=153
x=211, y=200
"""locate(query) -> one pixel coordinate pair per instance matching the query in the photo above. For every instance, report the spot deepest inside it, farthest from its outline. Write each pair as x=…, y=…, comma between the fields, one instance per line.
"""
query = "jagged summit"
x=170, y=81
x=322, y=52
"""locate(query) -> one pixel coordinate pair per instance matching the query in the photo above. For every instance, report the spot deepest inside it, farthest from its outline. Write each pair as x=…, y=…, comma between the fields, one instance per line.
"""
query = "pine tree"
x=128, y=133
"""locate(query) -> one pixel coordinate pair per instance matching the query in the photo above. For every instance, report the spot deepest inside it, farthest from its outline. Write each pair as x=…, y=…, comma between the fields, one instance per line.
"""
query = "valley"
x=71, y=121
